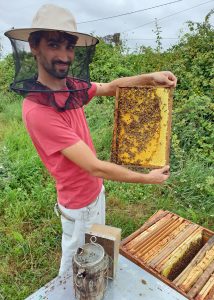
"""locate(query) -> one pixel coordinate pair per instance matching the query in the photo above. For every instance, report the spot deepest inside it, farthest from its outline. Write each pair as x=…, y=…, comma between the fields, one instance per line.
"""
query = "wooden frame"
x=142, y=126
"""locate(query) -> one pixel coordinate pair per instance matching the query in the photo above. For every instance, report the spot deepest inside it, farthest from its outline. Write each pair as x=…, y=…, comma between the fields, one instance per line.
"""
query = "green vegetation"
x=30, y=232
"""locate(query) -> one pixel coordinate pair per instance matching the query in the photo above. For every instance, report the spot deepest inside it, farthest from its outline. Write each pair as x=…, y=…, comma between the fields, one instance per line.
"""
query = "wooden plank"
x=197, y=270
x=109, y=237
x=181, y=256
x=152, y=220
x=173, y=245
x=152, y=235
x=210, y=295
x=114, y=149
x=206, y=290
x=201, y=281
x=195, y=261
x=159, y=238
x=160, y=246
x=147, y=231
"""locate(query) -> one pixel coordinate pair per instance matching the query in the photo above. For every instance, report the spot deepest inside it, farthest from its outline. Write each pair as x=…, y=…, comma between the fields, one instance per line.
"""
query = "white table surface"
x=131, y=283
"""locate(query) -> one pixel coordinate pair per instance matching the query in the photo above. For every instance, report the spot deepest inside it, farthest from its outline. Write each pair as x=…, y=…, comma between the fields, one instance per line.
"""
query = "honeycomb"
x=142, y=126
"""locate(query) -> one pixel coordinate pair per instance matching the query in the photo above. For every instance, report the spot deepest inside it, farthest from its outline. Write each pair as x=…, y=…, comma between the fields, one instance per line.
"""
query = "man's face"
x=54, y=55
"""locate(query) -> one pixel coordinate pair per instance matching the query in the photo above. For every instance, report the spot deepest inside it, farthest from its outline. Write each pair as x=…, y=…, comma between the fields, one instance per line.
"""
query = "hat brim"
x=22, y=34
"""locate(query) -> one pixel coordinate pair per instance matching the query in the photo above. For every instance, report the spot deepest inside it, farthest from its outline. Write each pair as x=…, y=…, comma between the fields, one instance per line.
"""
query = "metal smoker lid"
x=89, y=254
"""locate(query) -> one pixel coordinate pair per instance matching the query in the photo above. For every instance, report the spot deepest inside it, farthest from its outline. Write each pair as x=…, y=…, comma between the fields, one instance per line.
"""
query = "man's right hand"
x=158, y=176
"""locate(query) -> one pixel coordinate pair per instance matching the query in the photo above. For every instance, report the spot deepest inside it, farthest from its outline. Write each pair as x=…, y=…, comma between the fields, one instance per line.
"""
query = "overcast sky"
x=133, y=27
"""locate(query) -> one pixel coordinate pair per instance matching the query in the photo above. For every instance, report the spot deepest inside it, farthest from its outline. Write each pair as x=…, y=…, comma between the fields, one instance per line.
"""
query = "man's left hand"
x=165, y=78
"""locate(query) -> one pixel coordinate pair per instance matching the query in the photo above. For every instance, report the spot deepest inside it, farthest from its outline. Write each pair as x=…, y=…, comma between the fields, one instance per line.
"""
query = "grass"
x=30, y=232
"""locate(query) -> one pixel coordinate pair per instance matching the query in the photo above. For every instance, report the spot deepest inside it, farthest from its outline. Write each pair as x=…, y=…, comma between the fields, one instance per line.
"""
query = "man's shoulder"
x=31, y=101
x=30, y=107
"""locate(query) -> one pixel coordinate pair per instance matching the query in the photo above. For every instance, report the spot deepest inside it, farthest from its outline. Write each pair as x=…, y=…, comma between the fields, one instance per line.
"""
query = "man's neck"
x=51, y=82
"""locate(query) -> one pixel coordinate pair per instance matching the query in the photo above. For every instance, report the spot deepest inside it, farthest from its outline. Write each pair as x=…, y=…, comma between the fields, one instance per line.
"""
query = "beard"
x=53, y=68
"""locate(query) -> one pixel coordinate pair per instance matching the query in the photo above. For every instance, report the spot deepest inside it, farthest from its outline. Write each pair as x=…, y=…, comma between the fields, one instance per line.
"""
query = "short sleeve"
x=92, y=91
x=49, y=131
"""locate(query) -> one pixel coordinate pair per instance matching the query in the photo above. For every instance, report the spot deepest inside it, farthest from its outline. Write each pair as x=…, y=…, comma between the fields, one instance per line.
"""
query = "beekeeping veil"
x=52, y=18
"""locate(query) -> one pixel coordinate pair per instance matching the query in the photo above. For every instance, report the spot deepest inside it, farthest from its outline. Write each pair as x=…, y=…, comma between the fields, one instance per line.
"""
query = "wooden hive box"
x=142, y=126
x=109, y=237
x=177, y=251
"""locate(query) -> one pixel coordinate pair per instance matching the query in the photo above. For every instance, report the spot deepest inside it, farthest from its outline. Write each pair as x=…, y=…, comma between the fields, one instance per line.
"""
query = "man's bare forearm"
x=143, y=79
x=115, y=172
x=163, y=78
x=138, y=80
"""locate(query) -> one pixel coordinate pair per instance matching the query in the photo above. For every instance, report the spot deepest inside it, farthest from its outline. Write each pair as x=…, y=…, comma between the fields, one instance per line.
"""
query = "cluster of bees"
x=137, y=125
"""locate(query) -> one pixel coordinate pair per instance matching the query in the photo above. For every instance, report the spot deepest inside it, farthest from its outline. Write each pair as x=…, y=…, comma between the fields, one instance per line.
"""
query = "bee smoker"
x=90, y=270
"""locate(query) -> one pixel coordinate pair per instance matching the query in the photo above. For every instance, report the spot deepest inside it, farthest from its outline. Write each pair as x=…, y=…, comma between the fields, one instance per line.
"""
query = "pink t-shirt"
x=52, y=131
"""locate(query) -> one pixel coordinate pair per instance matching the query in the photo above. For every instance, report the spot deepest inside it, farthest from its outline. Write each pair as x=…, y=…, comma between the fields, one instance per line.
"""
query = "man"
x=60, y=132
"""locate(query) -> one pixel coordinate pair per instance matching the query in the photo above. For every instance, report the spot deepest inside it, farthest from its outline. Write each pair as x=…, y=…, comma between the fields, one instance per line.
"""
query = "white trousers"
x=78, y=221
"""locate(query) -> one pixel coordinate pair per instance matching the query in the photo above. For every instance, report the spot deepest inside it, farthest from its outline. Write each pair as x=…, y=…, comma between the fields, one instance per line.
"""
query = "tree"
x=157, y=32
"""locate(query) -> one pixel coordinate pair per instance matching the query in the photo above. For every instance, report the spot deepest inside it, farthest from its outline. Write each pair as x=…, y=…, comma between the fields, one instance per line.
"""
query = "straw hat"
x=51, y=18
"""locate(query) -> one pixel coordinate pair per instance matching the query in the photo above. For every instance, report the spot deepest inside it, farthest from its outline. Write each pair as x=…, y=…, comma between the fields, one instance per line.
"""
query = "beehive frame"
x=142, y=126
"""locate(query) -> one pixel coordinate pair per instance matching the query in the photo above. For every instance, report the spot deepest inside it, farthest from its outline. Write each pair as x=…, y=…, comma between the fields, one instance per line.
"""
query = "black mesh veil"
x=78, y=79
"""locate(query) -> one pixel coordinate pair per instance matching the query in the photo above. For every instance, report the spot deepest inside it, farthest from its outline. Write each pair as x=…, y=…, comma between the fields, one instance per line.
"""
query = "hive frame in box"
x=152, y=220
x=136, y=155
